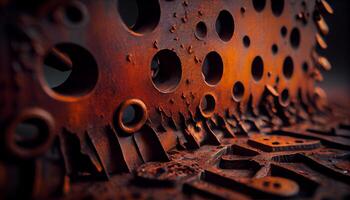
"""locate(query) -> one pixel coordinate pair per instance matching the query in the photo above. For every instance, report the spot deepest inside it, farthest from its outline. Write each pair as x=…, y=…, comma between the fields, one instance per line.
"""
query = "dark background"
x=338, y=79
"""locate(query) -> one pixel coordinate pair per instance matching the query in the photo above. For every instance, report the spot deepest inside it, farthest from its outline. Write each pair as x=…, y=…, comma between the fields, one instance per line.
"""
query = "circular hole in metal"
x=201, y=30
x=238, y=91
x=305, y=67
x=295, y=38
x=207, y=105
x=131, y=115
x=259, y=5
x=212, y=68
x=277, y=185
x=225, y=25
x=275, y=143
x=74, y=14
x=138, y=15
x=166, y=71
x=274, y=49
x=246, y=41
x=266, y=184
x=299, y=141
x=257, y=68
x=70, y=70
x=277, y=7
x=288, y=67
x=284, y=31
x=284, y=97
x=31, y=133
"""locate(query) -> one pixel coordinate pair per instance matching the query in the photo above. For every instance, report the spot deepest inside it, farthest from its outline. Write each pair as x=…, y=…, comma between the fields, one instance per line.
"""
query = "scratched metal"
x=204, y=99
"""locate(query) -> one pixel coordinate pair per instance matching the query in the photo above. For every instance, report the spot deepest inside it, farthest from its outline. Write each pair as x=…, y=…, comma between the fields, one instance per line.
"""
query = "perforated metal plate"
x=168, y=99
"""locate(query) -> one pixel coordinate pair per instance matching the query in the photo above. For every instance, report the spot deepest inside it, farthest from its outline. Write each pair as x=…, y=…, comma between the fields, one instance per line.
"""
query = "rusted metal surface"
x=174, y=99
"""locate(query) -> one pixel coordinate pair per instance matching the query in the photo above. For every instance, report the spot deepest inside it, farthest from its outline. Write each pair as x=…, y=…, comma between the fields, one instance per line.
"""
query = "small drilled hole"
x=295, y=38
x=274, y=49
x=266, y=183
x=257, y=68
x=305, y=67
x=277, y=7
x=201, y=30
x=259, y=5
x=285, y=97
x=238, y=91
x=277, y=185
x=246, y=41
x=288, y=67
x=284, y=31
x=299, y=141
x=70, y=70
x=225, y=25
x=139, y=16
x=207, y=104
x=275, y=143
x=31, y=133
x=166, y=71
x=212, y=68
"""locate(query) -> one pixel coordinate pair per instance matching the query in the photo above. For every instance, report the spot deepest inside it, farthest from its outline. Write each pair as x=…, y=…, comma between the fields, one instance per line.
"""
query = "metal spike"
x=272, y=90
x=322, y=26
x=324, y=63
x=325, y=5
x=321, y=42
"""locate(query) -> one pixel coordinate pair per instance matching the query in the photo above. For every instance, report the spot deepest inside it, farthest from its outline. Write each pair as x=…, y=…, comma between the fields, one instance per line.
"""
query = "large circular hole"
x=246, y=41
x=31, y=133
x=295, y=38
x=288, y=67
x=201, y=30
x=277, y=7
x=166, y=71
x=207, y=105
x=70, y=70
x=132, y=115
x=257, y=68
x=212, y=68
x=225, y=25
x=259, y=5
x=238, y=91
x=284, y=97
x=138, y=15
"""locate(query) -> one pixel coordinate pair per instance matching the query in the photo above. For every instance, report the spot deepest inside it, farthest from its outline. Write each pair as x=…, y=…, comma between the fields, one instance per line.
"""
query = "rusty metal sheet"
x=175, y=99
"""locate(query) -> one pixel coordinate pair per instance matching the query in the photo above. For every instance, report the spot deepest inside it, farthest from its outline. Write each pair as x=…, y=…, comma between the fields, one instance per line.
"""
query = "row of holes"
x=140, y=16
x=31, y=133
x=65, y=60
x=166, y=80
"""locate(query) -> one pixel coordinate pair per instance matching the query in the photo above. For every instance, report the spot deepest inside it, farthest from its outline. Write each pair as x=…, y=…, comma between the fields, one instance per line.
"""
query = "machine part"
x=171, y=99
